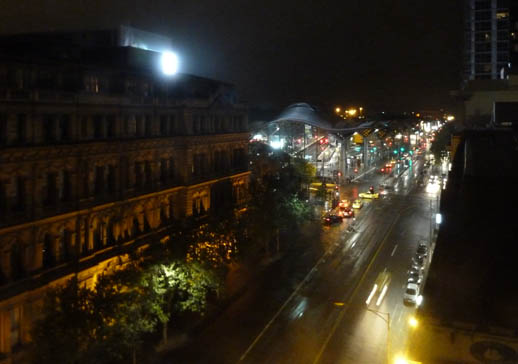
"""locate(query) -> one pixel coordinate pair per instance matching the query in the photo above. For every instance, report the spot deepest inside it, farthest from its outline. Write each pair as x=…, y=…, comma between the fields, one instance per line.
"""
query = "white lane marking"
x=305, y=280
x=393, y=250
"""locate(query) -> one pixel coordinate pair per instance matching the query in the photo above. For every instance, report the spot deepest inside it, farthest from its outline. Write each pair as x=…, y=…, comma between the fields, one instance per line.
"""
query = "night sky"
x=382, y=54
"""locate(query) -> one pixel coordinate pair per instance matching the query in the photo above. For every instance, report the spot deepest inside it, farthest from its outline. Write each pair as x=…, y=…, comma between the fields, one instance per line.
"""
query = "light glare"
x=169, y=63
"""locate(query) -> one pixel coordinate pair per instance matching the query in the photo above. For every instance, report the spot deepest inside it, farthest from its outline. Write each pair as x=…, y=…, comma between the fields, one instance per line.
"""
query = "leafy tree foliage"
x=442, y=140
x=277, y=184
x=107, y=324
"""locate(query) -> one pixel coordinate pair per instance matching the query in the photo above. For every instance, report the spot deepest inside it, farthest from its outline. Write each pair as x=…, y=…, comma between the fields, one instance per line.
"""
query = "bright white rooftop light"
x=169, y=63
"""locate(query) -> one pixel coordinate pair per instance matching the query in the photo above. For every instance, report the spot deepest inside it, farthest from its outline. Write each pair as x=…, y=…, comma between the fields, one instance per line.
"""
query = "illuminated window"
x=502, y=15
x=92, y=84
x=15, y=329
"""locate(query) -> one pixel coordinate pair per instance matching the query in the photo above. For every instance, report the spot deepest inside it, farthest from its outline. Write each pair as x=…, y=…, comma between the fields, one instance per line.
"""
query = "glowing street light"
x=337, y=110
x=412, y=321
x=169, y=63
x=352, y=112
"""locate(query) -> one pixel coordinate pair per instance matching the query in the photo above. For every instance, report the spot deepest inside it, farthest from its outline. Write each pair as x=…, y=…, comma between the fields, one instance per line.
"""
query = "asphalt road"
x=317, y=313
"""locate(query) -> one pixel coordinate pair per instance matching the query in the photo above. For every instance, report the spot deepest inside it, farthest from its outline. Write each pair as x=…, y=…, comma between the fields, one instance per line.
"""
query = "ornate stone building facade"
x=97, y=158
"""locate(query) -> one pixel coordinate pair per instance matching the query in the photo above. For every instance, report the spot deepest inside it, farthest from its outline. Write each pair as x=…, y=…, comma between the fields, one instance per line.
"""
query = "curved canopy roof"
x=307, y=114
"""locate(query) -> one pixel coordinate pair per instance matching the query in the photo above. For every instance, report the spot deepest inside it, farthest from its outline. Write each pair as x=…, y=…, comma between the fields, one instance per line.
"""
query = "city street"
x=320, y=315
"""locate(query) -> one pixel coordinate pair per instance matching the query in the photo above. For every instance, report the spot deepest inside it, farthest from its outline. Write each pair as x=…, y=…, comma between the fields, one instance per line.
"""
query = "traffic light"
x=411, y=152
x=395, y=151
x=402, y=149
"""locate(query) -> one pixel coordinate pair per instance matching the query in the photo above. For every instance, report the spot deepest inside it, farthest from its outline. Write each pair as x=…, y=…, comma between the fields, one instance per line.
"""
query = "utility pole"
x=387, y=321
x=365, y=152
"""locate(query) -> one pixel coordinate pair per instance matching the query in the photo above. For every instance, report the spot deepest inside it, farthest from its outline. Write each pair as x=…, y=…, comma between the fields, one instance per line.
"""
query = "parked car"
x=415, y=276
x=422, y=251
x=411, y=296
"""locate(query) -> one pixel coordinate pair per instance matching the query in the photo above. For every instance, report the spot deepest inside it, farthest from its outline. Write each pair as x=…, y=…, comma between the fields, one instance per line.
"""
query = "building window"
x=501, y=15
x=110, y=126
x=482, y=5
x=148, y=175
x=125, y=176
x=92, y=84
x=21, y=128
x=138, y=175
x=195, y=124
x=15, y=332
x=48, y=129
x=148, y=125
x=64, y=127
x=163, y=171
x=171, y=169
x=66, y=245
x=502, y=35
x=482, y=15
x=85, y=180
x=16, y=259
x=52, y=191
x=483, y=57
x=111, y=179
x=164, y=125
x=21, y=193
x=84, y=127
x=3, y=198
x=99, y=180
x=48, y=258
x=98, y=127
x=172, y=124
x=67, y=188
x=140, y=125
x=3, y=129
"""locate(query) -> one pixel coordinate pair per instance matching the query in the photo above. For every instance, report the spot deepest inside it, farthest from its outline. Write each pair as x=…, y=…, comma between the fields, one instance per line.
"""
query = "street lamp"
x=387, y=321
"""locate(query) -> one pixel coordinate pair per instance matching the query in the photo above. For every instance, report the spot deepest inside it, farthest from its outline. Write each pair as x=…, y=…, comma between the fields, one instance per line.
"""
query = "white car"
x=411, y=295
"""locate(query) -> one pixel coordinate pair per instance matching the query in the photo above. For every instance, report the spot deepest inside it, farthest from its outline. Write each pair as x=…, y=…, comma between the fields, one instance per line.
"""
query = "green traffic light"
x=395, y=152
x=402, y=149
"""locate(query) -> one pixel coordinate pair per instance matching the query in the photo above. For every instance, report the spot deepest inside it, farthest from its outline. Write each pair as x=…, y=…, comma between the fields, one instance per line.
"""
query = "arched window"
x=97, y=237
x=17, y=268
x=48, y=253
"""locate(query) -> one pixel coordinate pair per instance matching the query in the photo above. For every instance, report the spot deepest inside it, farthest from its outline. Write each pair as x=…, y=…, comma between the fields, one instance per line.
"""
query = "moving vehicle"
x=347, y=212
x=357, y=204
x=369, y=195
x=344, y=203
x=380, y=287
x=411, y=295
x=332, y=219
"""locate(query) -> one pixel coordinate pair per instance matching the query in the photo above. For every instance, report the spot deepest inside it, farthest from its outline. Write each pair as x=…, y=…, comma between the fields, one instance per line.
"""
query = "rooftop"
x=472, y=275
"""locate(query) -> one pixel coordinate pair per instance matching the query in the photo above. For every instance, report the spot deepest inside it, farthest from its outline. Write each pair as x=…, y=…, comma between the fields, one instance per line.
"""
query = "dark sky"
x=382, y=54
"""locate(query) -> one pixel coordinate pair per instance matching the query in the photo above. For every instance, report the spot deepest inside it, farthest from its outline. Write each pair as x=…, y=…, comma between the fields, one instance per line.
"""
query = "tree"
x=107, y=324
x=67, y=329
x=178, y=287
x=442, y=140
x=214, y=245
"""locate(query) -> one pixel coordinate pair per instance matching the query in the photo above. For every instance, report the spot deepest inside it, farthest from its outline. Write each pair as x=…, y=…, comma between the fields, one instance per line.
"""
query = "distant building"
x=490, y=58
x=100, y=153
x=491, y=39
x=469, y=312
